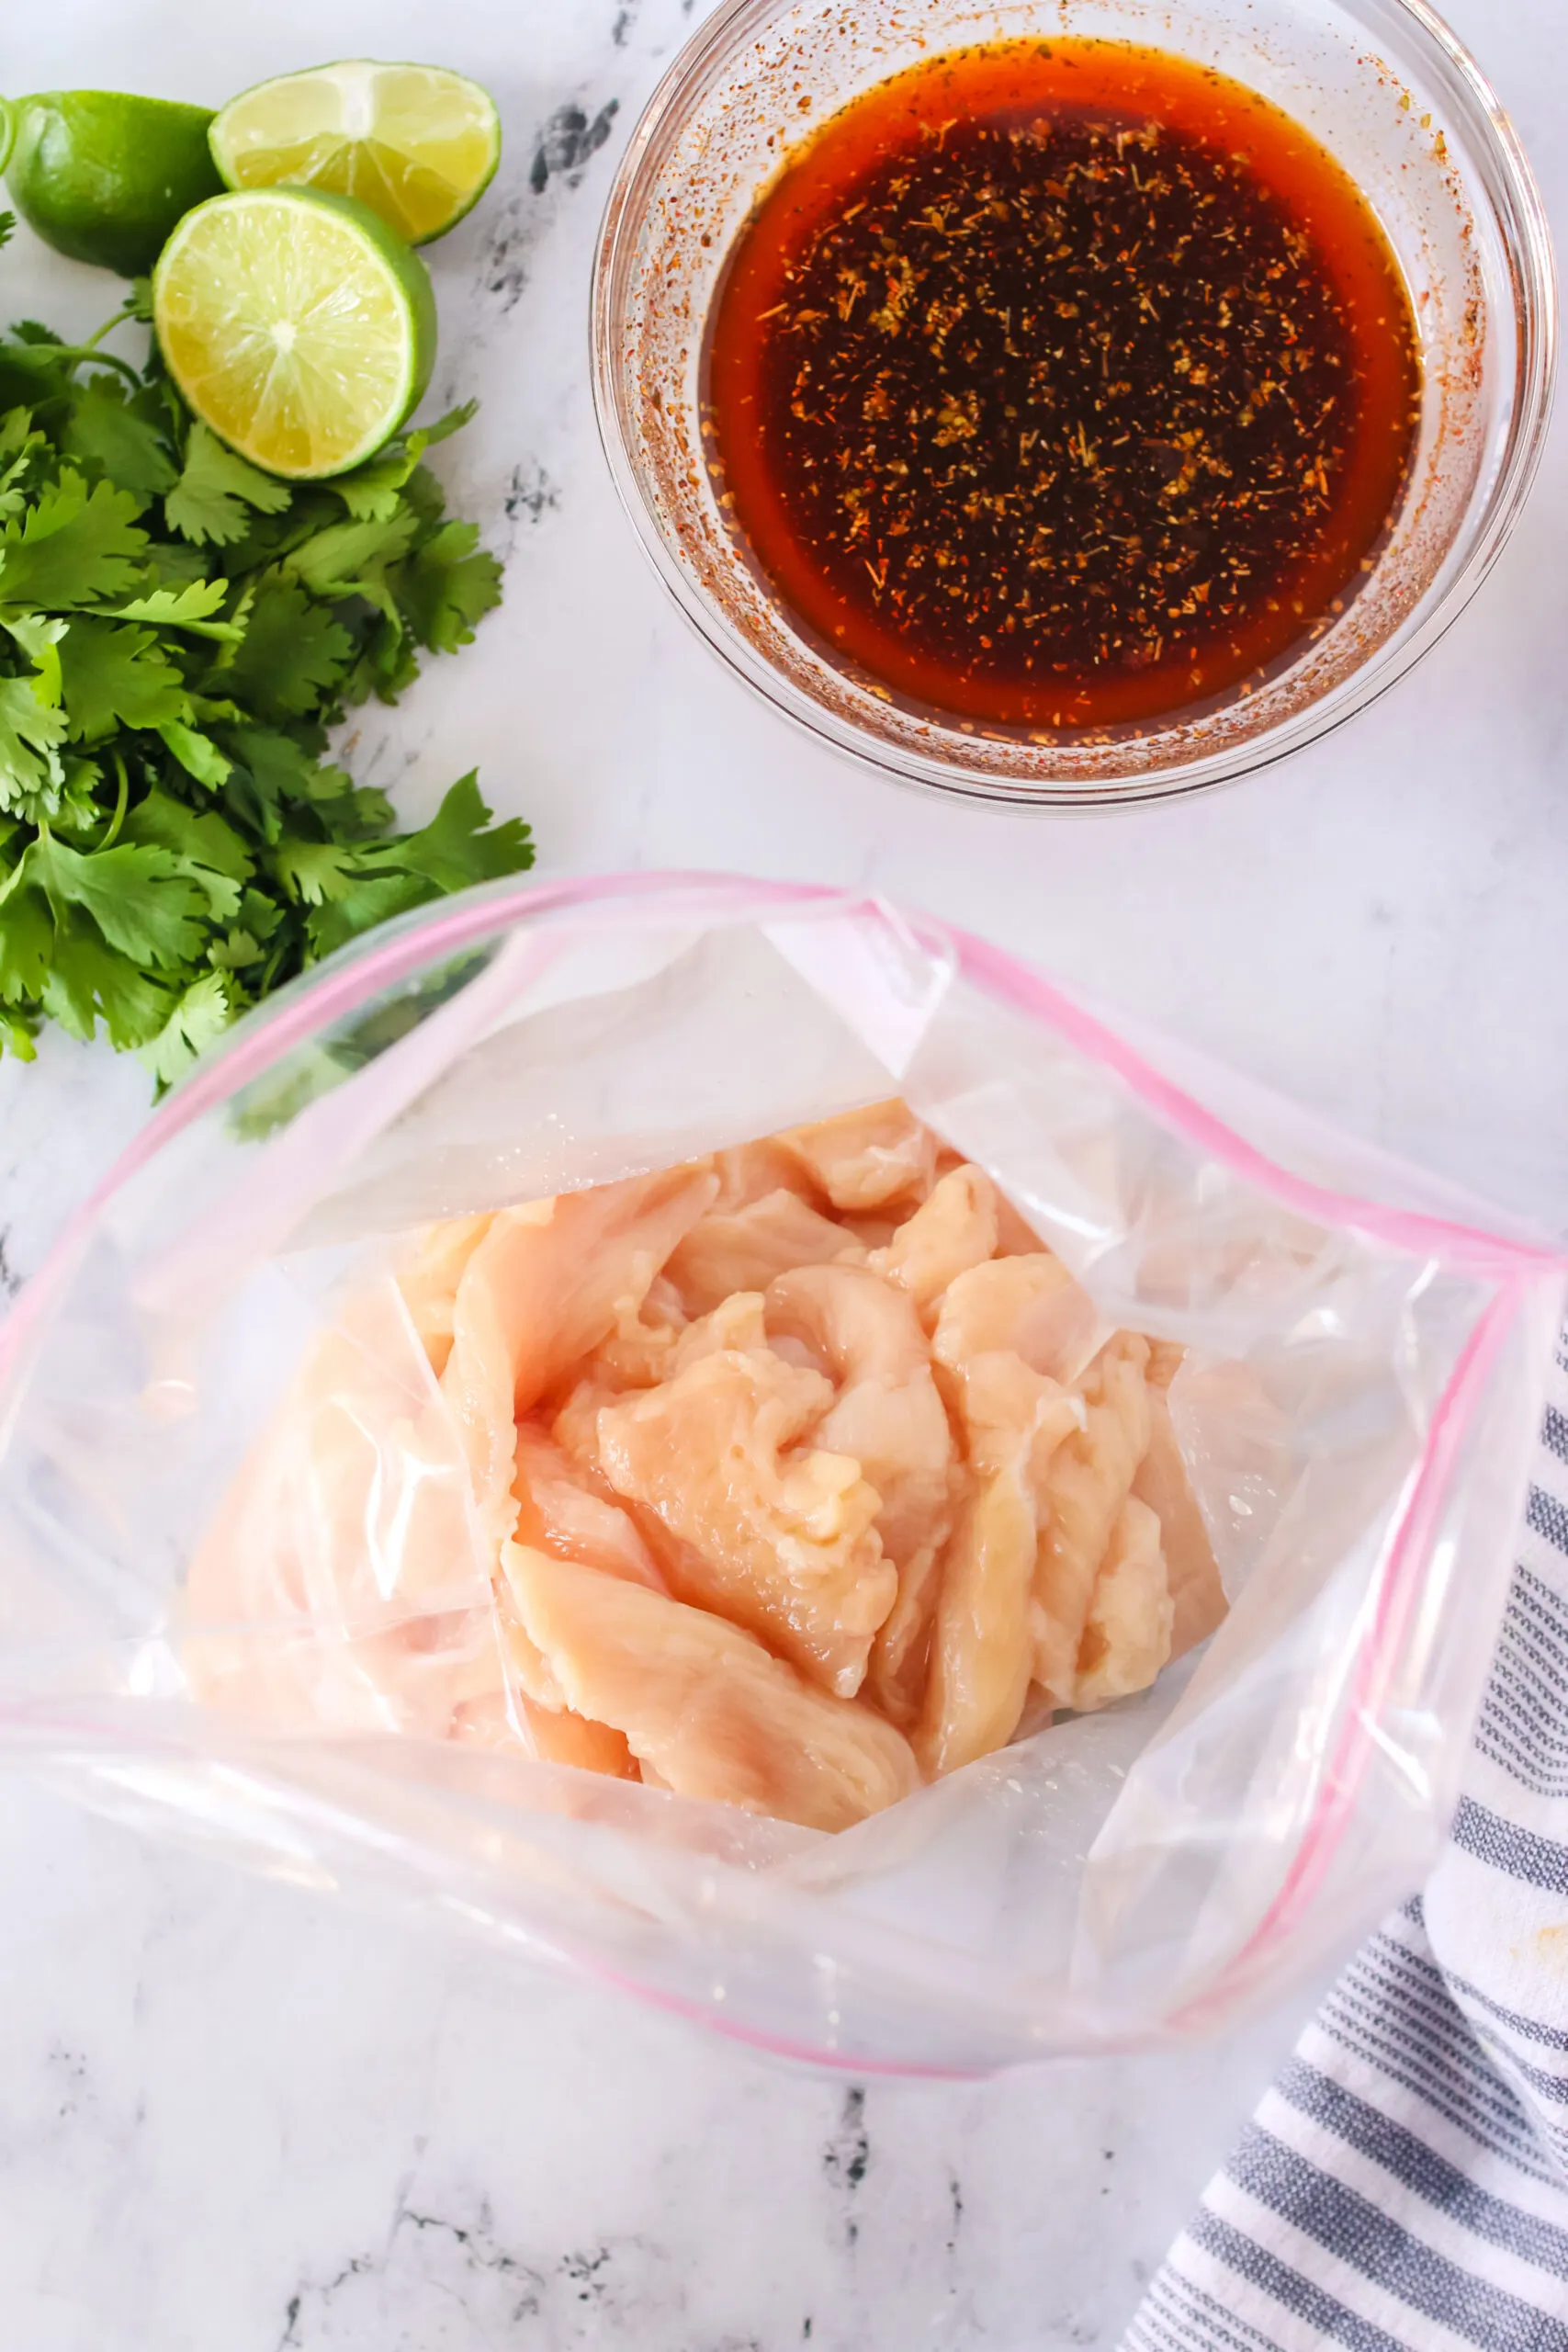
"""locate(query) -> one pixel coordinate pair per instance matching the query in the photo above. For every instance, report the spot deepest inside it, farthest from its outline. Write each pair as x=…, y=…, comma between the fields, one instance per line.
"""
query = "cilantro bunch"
x=177, y=633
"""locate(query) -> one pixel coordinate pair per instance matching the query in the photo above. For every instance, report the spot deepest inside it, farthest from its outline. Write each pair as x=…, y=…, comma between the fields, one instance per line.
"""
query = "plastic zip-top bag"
x=249, y=1529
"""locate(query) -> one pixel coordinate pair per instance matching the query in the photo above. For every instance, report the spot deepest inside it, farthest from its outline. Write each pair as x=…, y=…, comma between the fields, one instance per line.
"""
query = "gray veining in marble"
x=236, y=2116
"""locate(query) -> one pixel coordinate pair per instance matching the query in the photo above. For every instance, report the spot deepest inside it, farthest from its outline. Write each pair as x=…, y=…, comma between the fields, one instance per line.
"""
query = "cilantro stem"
x=118, y=820
x=77, y=352
x=126, y=311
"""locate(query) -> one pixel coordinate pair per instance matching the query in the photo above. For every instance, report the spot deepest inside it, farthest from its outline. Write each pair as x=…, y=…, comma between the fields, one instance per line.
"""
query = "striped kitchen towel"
x=1403, y=2186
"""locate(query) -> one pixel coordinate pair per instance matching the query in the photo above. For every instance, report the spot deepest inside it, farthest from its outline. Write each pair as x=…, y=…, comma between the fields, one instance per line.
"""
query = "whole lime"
x=103, y=176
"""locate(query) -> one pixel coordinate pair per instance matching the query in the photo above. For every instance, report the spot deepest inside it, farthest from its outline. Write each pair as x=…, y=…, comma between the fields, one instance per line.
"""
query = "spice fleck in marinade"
x=1063, y=387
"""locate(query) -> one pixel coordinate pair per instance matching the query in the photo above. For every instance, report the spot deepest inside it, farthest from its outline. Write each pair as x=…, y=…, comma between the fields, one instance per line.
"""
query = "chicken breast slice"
x=888, y=1416
x=862, y=1159
x=980, y=1653
x=1014, y=1420
x=640, y=1348
x=702, y=1703
x=1127, y=1634
x=545, y=1285
x=951, y=1232
x=1196, y=1592
x=749, y=1172
x=559, y=1511
x=517, y=1726
x=1030, y=1307
x=779, y=1536
x=429, y=1278
x=1085, y=1485
x=744, y=1250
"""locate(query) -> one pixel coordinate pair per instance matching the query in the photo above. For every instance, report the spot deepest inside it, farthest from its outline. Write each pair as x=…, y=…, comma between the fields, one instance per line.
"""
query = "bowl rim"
x=1520, y=213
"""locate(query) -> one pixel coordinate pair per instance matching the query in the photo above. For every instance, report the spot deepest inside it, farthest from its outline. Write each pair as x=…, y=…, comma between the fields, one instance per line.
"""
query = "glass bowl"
x=1383, y=83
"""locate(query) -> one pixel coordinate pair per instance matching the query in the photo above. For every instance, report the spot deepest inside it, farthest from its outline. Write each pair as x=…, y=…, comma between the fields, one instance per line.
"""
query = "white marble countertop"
x=235, y=2118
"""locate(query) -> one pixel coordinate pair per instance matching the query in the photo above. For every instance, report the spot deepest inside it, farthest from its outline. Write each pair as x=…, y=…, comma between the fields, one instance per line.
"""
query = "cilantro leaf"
x=292, y=655
x=338, y=561
x=209, y=851
x=215, y=487
x=315, y=871
x=115, y=674
x=27, y=942
x=139, y=899
x=16, y=1029
x=455, y=848
x=370, y=492
x=74, y=546
x=87, y=982
x=198, y=1018
x=190, y=607
x=39, y=640
x=117, y=435
x=197, y=753
x=32, y=731
x=447, y=585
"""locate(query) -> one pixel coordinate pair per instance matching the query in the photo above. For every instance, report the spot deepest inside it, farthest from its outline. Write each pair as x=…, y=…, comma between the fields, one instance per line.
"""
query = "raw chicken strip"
x=955, y=1229
x=1090, y=1479
x=980, y=1656
x=738, y=1325
x=554, y=1736
x=639, y=1351
x=888, y=1416
x=1162, y=1483
x=1012, y=1415
x=865, y=1159
x=351, y=1506
x=778, y=1537
x=1016, y=1238
x=1126, y=1636
x=1030, y=1307
x=745, y=1249
x=751, y=1171
x=702, y=1702
x=560, y=1512
x=430, y=1278
x=1014, y=1420
x=546, y=1284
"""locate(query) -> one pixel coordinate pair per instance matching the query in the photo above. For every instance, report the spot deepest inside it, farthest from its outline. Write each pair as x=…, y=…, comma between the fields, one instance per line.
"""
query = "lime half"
x=297, y=325
x=104, y=177
x=7, y=130
x=416, y=143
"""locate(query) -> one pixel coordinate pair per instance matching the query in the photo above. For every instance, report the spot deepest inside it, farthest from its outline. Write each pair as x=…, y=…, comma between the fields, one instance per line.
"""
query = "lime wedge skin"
x=103, y=176
x=419, y=143
x=297, y=325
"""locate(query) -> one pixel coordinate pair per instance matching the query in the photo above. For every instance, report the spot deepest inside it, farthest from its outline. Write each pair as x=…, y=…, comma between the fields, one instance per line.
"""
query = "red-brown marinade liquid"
x=1062, y=386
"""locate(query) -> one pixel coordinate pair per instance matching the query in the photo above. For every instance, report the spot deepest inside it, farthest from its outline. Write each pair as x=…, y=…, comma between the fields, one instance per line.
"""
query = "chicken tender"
x=544, y=1286
x=1030, y=1307
x=1127, y=1634
x=1163, y=1484
x=745, y=1249
x=1087, y=1485
x=980, y=1656
x=702, y=1702
x=429, y=1280
x=951, y=1232
x=888, y=1417
x=863, y=1160
x=559, y=1511
x=779, y=1536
